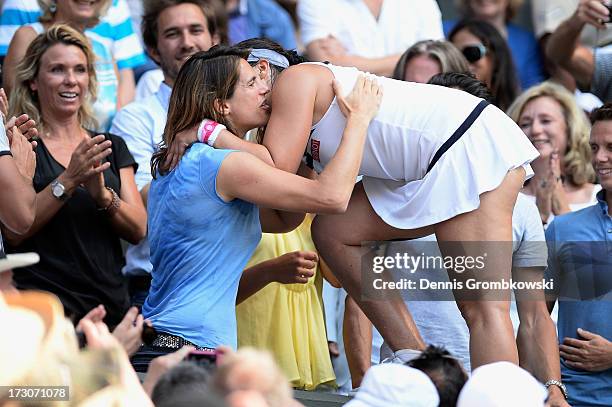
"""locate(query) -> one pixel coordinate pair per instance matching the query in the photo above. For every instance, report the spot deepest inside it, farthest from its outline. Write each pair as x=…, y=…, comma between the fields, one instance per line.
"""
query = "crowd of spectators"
x=91, y=299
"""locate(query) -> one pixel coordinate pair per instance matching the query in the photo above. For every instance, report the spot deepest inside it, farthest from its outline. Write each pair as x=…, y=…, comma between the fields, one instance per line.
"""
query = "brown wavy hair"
x=207, y=78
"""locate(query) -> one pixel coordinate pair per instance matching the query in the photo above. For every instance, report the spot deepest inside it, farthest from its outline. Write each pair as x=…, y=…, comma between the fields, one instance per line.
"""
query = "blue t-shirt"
x=200, y=245
x=580, y=261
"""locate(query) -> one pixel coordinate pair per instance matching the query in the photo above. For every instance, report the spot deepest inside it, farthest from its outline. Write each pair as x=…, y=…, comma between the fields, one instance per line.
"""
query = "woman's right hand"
x=182, y=140
x=363, y=101
x=83, y=161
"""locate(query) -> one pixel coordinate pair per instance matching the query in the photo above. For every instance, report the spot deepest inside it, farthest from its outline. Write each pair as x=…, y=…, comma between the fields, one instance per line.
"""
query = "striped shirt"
x=116, y=26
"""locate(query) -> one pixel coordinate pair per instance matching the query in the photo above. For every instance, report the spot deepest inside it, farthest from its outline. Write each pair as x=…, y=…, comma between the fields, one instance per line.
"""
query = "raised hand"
x=3, y=104
x=23, y=153
x=593, y=12
x=26, y=126
x=85, y=161
x=129, y=331
x=364, y=100
x=182, y=140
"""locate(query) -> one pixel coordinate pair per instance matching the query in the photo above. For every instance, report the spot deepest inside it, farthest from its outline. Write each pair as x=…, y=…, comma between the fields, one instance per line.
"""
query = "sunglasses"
x=474, y=53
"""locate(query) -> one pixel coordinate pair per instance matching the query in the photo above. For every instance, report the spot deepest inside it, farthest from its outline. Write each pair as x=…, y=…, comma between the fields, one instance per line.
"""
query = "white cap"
x=502, y=384
x=13, y=261
x=395, y=385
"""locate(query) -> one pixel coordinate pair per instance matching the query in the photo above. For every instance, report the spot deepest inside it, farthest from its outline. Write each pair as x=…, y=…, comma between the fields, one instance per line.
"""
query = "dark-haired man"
x=580, y=261
x=173, y=30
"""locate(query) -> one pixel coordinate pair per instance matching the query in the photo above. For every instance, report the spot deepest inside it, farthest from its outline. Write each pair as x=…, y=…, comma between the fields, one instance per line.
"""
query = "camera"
x=204, y=358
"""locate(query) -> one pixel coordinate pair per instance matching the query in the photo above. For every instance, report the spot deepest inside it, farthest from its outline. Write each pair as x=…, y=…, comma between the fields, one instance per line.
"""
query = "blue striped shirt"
x=116, y=25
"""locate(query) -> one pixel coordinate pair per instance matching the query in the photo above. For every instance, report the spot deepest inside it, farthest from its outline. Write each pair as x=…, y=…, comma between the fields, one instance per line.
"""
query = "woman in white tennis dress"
x=435, y=160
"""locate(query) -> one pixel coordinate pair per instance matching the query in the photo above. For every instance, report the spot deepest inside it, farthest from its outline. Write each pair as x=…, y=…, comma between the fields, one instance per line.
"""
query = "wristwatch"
x=59, y=190
x=557, y=383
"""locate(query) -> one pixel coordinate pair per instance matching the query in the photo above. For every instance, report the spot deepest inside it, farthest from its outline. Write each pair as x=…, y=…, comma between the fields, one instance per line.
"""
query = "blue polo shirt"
x=580, y=261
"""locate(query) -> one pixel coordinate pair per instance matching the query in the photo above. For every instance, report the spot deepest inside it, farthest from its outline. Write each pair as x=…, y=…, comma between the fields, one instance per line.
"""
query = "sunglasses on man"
x=474, y=53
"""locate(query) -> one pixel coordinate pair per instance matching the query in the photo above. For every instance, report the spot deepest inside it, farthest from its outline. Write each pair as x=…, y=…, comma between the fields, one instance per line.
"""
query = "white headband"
x=272, y=57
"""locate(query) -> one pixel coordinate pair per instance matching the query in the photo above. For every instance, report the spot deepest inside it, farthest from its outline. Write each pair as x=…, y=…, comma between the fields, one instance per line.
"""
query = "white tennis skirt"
x=478, y=162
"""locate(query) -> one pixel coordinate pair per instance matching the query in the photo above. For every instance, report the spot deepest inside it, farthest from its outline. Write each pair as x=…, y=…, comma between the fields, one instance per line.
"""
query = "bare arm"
x=80, y=169
x=18, y=198
x=130, y=219
x=322, y=50
x=246, y=177
x=290, y=268
x=16, y=51
x=563, y=47
x=127, y=87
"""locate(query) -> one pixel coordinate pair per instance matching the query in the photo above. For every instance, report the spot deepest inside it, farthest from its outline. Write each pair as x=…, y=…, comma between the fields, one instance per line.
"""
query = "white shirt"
x=141, y=124
x=401, y=23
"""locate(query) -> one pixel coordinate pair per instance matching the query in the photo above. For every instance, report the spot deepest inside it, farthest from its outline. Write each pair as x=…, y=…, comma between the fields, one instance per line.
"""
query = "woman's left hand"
x=96, y=187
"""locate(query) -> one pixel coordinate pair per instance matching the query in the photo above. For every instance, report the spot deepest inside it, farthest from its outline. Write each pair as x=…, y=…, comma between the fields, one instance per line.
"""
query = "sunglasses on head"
x=474, y=53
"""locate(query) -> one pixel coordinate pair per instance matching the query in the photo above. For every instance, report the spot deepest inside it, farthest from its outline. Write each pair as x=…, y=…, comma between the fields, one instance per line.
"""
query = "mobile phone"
x=205, y=358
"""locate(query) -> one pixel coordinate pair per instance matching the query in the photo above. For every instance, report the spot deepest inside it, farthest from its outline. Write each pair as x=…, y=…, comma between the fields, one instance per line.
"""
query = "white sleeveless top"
x=413, y=122
x=408, y=121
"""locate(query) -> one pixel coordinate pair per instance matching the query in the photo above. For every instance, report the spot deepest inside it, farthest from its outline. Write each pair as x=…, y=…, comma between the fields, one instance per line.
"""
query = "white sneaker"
x=402, y=356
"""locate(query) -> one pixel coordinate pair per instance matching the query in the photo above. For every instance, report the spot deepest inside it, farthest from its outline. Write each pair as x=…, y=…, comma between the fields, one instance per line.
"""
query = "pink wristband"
x=208, y=131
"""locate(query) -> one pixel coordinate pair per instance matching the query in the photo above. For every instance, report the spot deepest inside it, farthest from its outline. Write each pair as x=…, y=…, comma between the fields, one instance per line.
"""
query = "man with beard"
x=172, y=31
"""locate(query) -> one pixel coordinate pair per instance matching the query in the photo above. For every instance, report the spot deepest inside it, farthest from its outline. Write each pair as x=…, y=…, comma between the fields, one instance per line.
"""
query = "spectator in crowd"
x=370, y=35
x=444, y=370
x=580, y=263
x=151, y=80
x=42, y=351
x=253, y=371
x=187, y=380
x=427, y=58
x=522, y=43
x=114, y=29
x=547, y=16
x=86, y=195
x=287, y=319
x=516, y=387
x=80, y=18
x=395, y=385
x=489, y=57
x=557, y=127
x=259, y=19
x=590, y=68
x=173, y=30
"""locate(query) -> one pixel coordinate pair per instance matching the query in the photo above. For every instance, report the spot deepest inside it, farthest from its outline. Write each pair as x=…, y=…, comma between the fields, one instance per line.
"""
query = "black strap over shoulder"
x=458, y=133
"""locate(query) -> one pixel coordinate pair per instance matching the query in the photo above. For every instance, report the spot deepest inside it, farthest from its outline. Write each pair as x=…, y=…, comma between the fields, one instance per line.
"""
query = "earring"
x=53, y=7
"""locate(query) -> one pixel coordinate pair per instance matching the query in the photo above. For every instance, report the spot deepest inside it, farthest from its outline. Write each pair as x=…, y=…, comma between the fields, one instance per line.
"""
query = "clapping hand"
x=293, y=268
x=86, y=162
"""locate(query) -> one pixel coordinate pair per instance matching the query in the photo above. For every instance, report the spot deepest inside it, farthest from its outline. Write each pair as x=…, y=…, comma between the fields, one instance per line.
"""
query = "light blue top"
x=116, y=25
x=580, y=259
x=141, y=124
x=261, y=18
x=199, y=246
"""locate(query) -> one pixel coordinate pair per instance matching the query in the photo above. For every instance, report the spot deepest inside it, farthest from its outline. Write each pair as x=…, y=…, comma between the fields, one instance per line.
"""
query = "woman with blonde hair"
x=79, y=16
x=427, y=58
x=86, y=194
x=558, y=128
x=522, y=43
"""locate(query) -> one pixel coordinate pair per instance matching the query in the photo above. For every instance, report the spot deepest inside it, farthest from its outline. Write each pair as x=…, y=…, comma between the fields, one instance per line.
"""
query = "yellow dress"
x=287, y=319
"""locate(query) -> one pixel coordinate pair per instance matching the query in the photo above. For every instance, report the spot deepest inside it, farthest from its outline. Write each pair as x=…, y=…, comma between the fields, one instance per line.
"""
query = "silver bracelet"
x=114, y=204
x=557, y=383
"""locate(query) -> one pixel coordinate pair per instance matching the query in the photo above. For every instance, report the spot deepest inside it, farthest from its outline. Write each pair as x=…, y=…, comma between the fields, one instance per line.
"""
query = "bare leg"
x=338, y=239
x=537, y=336
x=491, y=334
x=357, y=330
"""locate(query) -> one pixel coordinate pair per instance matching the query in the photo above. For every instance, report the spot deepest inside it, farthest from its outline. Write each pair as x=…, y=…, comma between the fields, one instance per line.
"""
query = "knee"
x=483, y=312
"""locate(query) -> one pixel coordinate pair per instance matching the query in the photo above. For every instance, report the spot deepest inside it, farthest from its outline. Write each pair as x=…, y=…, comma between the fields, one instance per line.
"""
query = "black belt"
x=458, y=133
